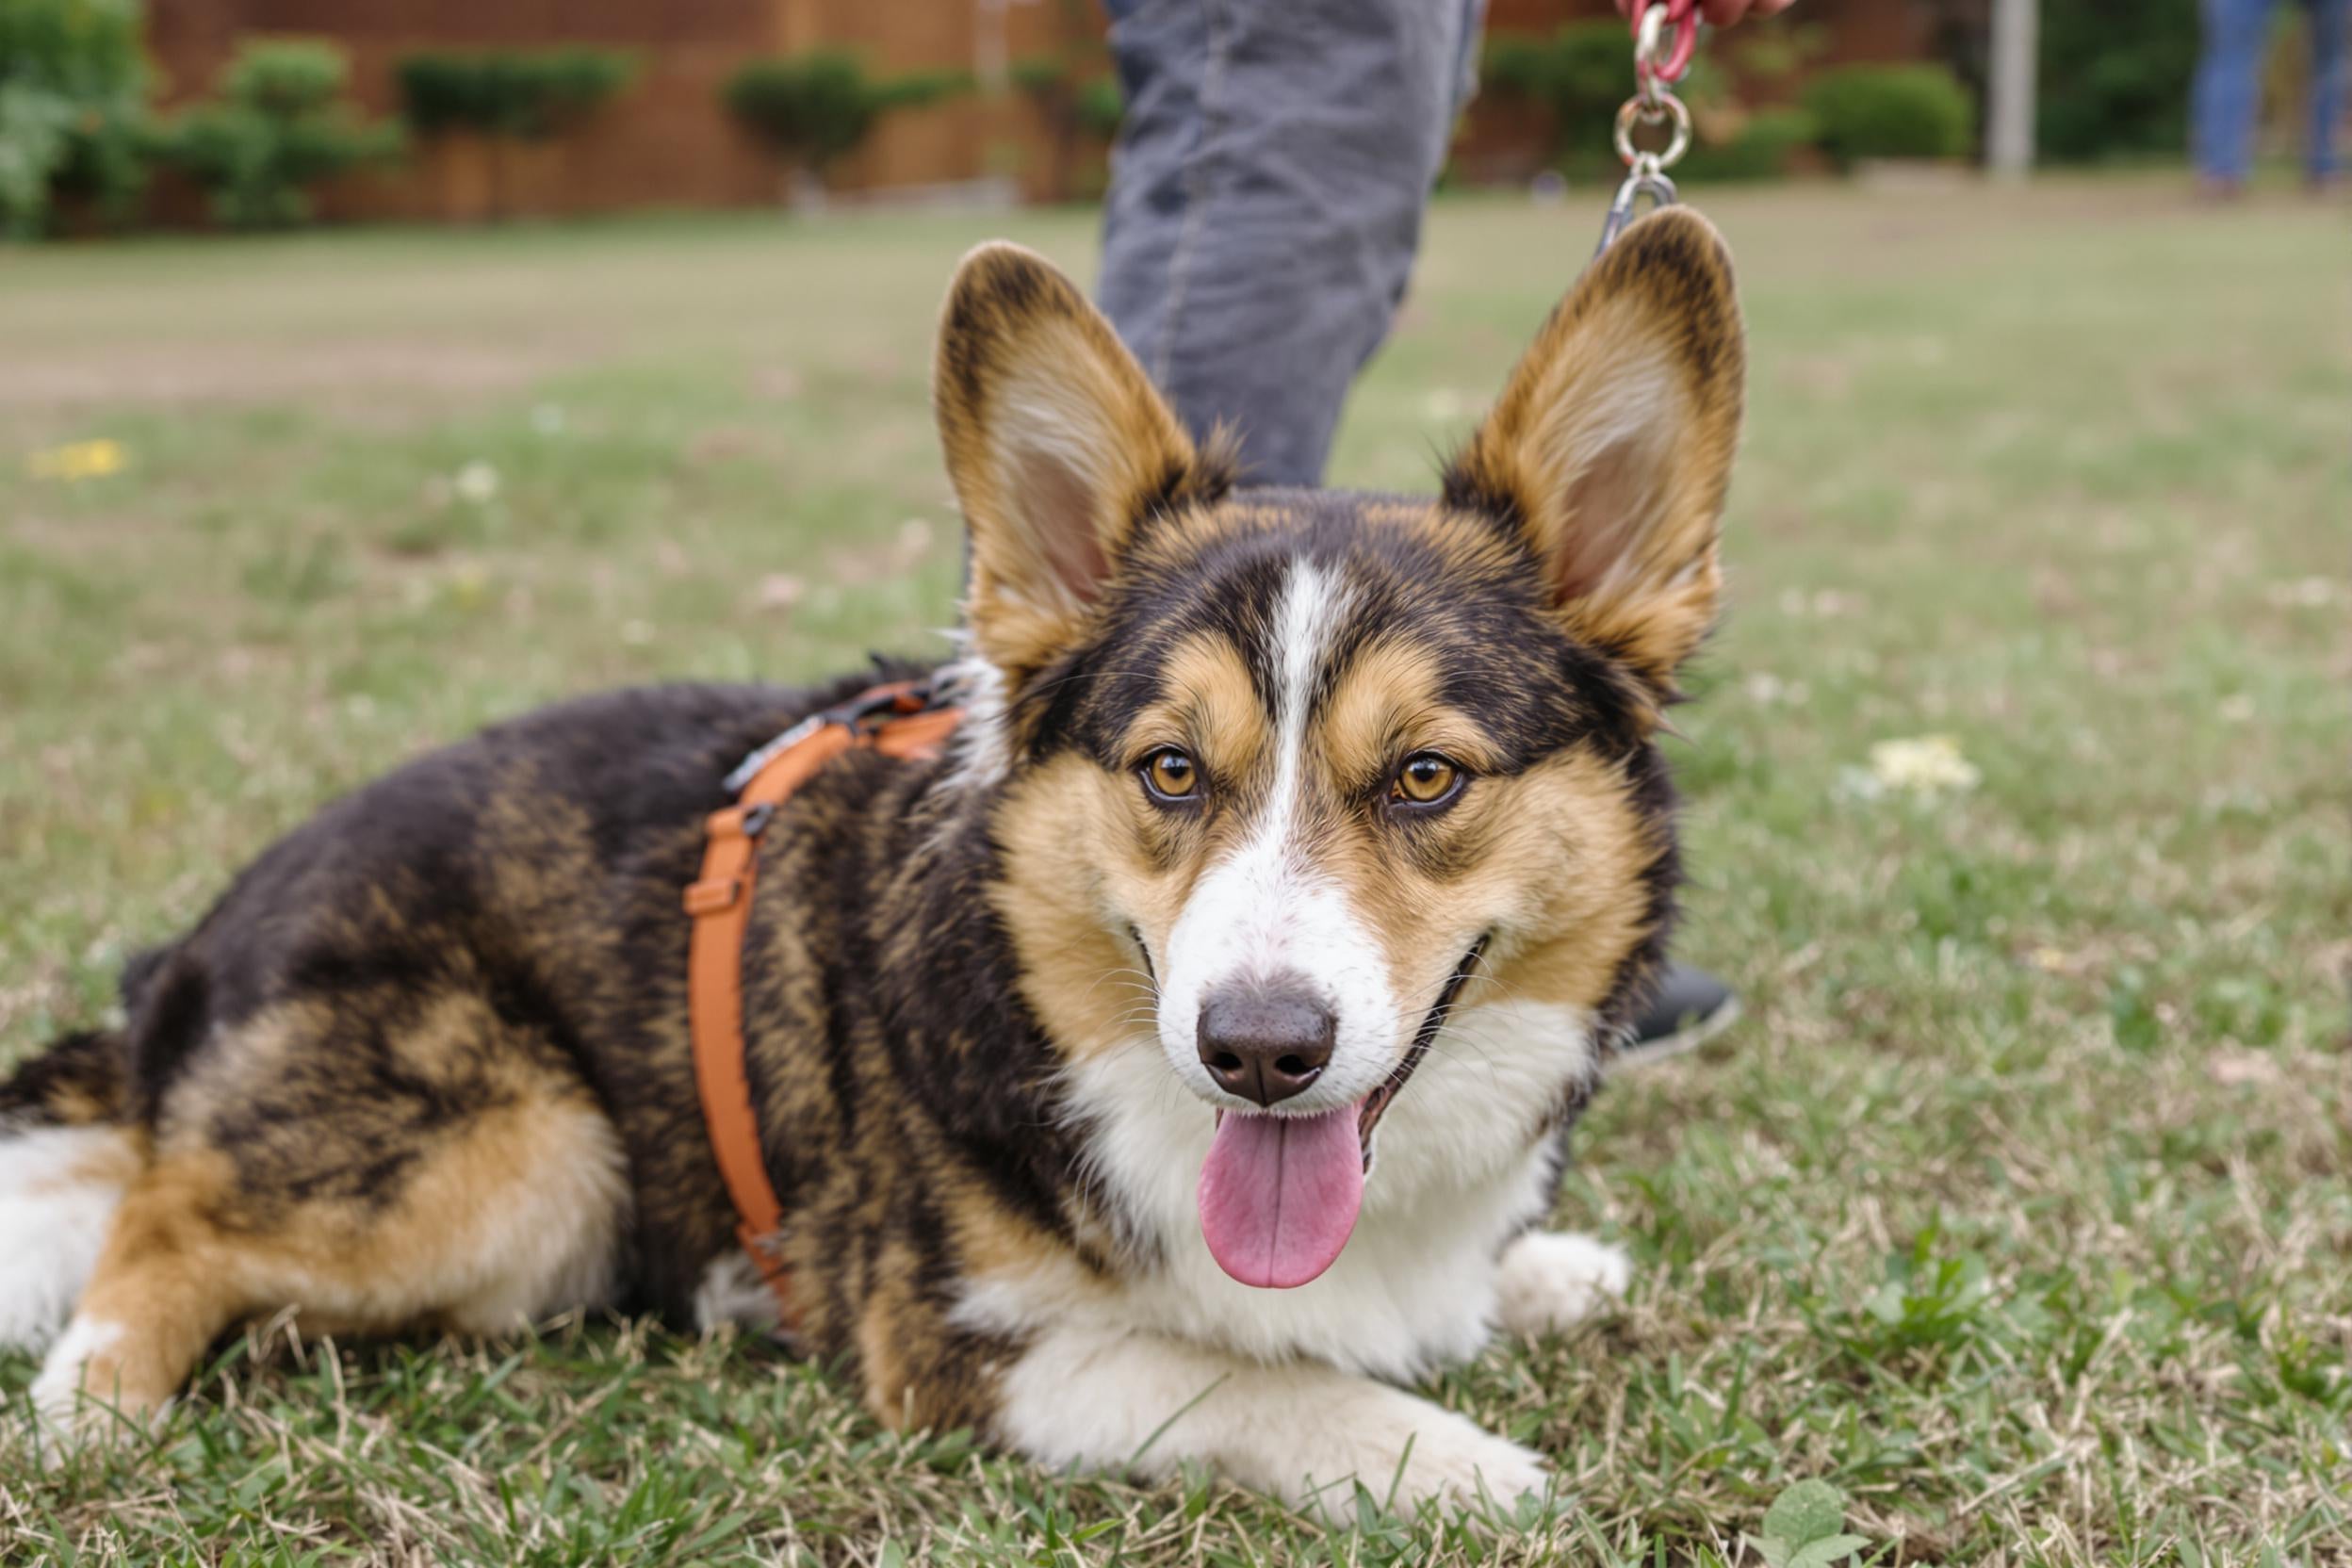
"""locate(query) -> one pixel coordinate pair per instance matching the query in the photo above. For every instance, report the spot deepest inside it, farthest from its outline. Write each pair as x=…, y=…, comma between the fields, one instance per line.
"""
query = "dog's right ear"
x=1057, y=445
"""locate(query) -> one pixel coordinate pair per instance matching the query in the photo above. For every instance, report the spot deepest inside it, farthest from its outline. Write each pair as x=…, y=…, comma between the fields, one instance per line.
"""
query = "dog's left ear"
x=1057, y=444
x=1609, y=452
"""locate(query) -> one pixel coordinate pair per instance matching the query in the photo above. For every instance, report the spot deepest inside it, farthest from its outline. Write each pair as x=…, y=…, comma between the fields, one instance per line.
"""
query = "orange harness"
x=897, y=720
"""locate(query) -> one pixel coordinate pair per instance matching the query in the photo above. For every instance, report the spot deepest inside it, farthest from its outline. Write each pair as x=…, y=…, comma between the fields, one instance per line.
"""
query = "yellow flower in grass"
x=1924, y=764
x=79, y=460
x=1928, y=767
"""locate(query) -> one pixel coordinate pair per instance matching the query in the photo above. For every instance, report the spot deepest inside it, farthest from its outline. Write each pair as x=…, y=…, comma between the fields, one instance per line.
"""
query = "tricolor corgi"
x=1173, y=1069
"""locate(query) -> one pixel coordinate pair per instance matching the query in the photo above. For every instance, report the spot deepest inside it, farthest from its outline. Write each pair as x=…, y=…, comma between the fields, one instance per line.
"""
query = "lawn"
x=2020, y=1208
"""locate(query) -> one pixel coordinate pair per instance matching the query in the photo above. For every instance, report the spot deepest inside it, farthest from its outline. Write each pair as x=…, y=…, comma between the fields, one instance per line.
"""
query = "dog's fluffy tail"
x=66, y=1155
x=79, y=1082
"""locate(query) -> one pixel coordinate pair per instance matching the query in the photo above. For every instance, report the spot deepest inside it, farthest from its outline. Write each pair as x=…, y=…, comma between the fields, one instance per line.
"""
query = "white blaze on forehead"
x=1266, y=909
x=1311, y=606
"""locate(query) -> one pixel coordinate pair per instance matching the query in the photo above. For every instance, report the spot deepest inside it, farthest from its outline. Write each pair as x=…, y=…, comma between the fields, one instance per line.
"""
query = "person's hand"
x=1722, y=13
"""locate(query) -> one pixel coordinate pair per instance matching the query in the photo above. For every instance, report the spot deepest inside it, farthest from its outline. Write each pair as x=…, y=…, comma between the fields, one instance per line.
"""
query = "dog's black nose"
x=1266, y=1040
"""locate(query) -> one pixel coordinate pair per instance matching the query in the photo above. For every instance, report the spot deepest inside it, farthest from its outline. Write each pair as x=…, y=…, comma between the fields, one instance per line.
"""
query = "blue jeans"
x=2229, y=84
x=1266, y=201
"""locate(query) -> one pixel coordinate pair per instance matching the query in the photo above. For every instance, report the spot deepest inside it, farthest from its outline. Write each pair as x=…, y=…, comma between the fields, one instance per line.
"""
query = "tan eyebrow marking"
x=1387, y=703
x=1209, y=703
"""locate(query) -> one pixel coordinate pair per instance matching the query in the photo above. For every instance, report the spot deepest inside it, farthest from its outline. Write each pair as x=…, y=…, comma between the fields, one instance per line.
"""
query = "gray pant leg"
x=1266, y=201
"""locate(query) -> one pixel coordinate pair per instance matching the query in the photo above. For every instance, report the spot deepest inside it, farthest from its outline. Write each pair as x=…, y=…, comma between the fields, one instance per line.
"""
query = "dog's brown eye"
x=1425, y=780
x=1170, y=775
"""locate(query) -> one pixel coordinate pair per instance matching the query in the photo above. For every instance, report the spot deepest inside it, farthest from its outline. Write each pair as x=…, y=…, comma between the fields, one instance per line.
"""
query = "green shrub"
x=440, y=93
x=72, y=108
x=1088, y=102
x=2114, y=78
x=1041, y=76
x=1579, y=75
x=281, y=124
x=816, y=109
x=525, y=93
x=291, y=80
x=1080, y=105
x=1760, y=150
x=508, y=95
x=915, y=89
x=1101, y=107
x=813, y=110
x=34, y=126
x=1891, y=111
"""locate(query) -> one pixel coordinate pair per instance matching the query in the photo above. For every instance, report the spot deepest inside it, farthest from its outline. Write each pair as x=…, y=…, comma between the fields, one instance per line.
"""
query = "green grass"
x=2021, y=1207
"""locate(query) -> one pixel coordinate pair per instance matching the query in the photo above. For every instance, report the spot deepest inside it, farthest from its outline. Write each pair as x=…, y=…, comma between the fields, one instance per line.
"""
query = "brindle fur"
x=332, y=1075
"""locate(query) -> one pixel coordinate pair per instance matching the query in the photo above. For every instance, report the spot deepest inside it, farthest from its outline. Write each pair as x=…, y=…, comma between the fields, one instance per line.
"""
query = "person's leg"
x=2331, y=73
x=2227, y=89
x=1265, y=202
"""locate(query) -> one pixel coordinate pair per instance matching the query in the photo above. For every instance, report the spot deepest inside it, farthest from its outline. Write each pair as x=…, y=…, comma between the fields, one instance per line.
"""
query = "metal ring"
x=1635, y=110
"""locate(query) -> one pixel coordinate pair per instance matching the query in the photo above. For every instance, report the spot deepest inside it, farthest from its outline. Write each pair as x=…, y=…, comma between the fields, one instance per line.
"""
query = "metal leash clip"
x=1655, y=69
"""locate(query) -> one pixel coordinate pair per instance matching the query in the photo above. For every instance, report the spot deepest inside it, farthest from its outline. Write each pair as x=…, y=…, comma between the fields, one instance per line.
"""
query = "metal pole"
x=2009, y=129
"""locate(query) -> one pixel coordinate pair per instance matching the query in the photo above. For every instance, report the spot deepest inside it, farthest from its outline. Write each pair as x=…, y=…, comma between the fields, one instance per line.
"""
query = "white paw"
x=1552, y=1280
x=1460, y=1467
x=1413, y=1452
x=58, y=1388
x=68, y=1414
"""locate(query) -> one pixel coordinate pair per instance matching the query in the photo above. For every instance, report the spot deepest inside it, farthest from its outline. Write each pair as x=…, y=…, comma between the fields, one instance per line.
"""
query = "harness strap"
x=897, y=720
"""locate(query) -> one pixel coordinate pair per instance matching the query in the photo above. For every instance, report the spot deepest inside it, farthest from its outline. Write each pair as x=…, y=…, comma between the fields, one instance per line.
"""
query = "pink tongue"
x=1279, y=1195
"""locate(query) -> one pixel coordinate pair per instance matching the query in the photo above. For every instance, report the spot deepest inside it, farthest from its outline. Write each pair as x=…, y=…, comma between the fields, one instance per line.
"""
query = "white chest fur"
x=1461, y=1165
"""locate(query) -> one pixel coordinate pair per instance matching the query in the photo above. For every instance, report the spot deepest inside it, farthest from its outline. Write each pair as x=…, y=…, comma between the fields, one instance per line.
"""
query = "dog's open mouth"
x=1278, y=1194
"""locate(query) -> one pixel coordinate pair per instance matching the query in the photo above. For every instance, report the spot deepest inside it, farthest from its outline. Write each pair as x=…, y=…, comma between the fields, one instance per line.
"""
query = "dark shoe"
x=1691, y=1006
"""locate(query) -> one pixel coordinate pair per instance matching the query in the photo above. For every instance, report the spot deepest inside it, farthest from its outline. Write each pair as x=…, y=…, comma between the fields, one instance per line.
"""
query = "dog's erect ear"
x=1609, y=450
x=1057, y=447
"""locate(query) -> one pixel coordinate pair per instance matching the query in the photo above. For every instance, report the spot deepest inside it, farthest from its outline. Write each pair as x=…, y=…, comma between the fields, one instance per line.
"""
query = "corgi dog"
x=1172, y=1069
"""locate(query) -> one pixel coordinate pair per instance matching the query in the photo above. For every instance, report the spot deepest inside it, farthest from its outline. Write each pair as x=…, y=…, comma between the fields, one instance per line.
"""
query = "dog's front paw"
x=1552, y=1280
x=1406, y=1452
x=1462, y=1466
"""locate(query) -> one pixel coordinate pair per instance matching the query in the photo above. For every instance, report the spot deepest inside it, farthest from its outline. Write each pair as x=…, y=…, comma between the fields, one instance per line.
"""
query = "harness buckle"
x=714, y=894
x=870, y=711
x=861, y=716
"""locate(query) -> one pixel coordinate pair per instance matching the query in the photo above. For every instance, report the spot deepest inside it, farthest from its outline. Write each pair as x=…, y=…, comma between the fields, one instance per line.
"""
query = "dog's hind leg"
x=159, y=1293
x=474, y=1190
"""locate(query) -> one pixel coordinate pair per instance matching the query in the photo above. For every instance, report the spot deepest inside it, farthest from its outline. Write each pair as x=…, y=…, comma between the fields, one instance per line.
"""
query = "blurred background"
x=133, y=113
x=373, y=369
